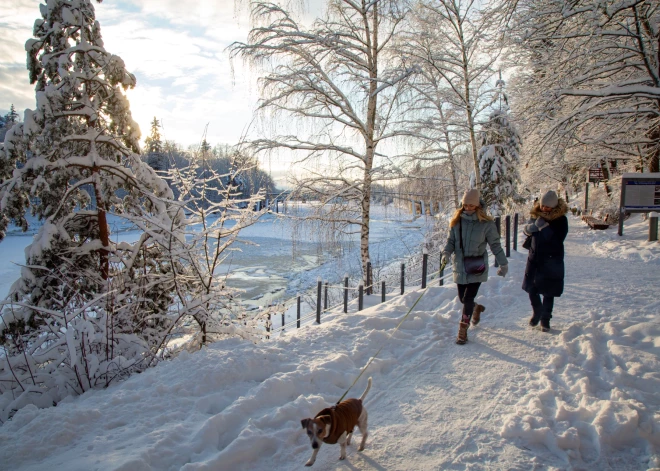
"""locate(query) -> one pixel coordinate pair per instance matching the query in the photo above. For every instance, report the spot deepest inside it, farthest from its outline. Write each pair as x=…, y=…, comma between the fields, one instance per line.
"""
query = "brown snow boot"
x=476, y=314
x=461, y=338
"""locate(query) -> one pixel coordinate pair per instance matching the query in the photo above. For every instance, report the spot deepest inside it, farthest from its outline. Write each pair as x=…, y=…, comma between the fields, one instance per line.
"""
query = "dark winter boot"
x=476, y=314
x=536, y=317
x=545, y=325
x=461, y=338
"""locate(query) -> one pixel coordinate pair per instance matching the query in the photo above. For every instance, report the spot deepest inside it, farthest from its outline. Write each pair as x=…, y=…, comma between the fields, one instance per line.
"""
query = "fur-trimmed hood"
x=557, y=211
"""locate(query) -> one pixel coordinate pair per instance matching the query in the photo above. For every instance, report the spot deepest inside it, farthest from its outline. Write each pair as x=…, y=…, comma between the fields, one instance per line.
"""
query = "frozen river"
x=276, y=258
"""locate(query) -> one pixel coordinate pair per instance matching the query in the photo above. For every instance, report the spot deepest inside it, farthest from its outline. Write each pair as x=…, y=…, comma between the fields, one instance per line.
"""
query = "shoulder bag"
x=472, y=265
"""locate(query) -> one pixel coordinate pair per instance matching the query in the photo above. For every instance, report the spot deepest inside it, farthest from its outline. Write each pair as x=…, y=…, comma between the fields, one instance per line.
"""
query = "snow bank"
x=585, y=396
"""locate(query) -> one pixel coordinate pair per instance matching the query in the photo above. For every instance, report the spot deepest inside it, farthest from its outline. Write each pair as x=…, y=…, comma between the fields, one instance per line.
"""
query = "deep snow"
x=585, y=396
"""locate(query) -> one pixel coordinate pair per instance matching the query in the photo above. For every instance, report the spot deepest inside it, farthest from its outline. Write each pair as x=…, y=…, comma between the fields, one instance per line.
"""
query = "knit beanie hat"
x=471, y=197
x=550, y=199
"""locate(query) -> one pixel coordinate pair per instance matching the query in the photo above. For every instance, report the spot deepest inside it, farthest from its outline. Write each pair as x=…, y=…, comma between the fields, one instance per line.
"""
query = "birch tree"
x=338, y=82
x=455, y=43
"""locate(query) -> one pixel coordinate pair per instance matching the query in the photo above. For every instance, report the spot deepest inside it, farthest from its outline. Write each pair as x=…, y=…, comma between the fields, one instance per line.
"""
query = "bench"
x=595, y=223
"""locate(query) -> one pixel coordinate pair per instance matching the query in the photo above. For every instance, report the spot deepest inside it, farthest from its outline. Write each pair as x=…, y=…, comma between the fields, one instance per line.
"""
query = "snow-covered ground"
x=586, y=396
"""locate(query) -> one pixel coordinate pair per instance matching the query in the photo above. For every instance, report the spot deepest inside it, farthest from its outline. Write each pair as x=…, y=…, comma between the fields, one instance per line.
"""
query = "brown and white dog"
x=335, y=425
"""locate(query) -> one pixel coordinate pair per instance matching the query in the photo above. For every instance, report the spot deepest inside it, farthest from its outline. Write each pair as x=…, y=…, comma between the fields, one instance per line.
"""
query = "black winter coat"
x=545, y=261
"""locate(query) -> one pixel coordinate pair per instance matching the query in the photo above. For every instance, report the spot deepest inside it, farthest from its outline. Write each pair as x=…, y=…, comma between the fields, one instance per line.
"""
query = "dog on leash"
x=335, y=425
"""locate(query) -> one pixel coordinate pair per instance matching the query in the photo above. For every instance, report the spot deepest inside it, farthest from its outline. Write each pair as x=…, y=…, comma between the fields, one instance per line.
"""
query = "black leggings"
x=466, y=294
x=542, y=310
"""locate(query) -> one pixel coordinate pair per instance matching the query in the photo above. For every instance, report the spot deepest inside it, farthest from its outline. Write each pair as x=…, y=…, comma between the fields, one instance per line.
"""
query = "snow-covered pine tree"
x=156, y=157
x=11, y=117
x=499, y=156
x=86, y=310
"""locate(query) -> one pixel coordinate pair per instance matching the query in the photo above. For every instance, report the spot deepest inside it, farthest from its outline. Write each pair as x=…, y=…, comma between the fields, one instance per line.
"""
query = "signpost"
x=640, y=193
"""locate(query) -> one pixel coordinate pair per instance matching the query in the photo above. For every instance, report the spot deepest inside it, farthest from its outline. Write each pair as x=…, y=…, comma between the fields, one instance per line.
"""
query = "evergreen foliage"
x=499, y=157
x=86, y=311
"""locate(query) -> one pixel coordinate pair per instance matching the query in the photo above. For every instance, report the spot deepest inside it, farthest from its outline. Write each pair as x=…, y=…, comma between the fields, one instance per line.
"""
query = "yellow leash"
x=388, y=339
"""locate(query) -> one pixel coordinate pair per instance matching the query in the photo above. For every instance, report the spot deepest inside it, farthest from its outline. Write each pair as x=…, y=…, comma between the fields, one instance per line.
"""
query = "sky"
x=177, y=51
x=585, y=396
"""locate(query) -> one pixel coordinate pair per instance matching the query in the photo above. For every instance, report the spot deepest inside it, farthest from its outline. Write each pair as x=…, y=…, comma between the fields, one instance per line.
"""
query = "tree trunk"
x=104, y=233
x=654, y=147
x=469, y=109
x=372, y=103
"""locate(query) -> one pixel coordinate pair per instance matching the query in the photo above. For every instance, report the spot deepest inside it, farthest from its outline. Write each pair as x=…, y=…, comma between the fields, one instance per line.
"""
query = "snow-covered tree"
x=12, y=117
x=156, y=157
x=499, y=156
x=339, y=81
x=86, y=310
x=219, y=211
x=456, y=44
x=592, y=69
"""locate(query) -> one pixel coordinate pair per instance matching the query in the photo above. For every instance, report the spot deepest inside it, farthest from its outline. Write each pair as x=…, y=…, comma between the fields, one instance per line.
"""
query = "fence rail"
x=329, y=297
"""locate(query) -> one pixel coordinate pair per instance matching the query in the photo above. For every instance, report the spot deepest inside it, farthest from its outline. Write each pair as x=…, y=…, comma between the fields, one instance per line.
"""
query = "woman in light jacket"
x=477, y=229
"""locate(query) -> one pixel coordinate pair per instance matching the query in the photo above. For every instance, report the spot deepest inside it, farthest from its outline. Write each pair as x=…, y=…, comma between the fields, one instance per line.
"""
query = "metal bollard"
x=360, y=297
x=653, y=228
x=369, y=278
x=318, y=300
x=425, y=261
x=297, y=308
x=498, y=224
x=442, y=274
x=507, y=231
x=515, y=232
x=325, y=297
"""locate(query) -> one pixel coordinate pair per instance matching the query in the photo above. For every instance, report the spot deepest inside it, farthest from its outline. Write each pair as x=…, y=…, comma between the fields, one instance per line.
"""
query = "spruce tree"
x=156, y=157
x=87, y=310
x=11, y=117
x=499, y=156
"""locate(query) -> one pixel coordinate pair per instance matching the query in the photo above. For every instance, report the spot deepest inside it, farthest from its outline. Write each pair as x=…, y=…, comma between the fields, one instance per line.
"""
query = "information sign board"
x=640, y=193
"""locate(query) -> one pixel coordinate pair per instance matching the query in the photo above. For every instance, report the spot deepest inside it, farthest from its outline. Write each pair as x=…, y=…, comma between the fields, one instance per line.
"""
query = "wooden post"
x=369, y=278
x=653, y=228
x=298, y=310
x=403, y=277
x=382, y=291
x=319, y=285
x=515, y=232
x=283, y=321
x=425, y=262
x=268, y=322
x=507, y=227
x=345, y=293
x=360, y=296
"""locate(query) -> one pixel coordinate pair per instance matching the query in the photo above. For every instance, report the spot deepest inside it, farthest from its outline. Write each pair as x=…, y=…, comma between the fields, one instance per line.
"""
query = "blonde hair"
x=481, y=214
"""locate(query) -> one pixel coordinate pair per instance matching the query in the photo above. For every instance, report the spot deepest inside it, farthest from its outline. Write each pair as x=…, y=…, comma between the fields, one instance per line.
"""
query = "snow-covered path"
x=586, y=396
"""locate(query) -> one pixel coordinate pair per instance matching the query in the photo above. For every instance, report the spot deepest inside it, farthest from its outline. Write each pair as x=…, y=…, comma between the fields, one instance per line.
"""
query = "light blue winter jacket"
x=476, y=234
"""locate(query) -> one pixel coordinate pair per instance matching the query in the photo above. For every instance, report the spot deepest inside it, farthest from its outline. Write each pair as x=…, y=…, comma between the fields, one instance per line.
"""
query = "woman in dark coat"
x=544, y=274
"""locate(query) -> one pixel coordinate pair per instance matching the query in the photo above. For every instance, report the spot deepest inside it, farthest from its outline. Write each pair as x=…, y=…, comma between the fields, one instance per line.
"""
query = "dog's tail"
x=364, y=394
